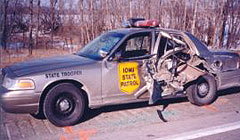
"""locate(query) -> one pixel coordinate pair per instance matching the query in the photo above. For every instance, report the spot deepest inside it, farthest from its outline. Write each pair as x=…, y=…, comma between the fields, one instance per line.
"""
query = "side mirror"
x=117, y=56
x=103, y=53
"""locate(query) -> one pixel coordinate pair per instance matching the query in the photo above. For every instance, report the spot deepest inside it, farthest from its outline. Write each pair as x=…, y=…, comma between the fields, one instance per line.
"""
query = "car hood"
x=46, y=64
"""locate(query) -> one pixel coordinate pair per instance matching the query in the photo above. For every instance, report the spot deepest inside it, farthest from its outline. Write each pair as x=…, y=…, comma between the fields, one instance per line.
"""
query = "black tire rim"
x=202, y=89
x=64, y=105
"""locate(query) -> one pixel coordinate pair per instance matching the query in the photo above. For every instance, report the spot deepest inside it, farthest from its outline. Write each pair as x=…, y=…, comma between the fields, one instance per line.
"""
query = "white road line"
x=8, y=132
x=203, y=132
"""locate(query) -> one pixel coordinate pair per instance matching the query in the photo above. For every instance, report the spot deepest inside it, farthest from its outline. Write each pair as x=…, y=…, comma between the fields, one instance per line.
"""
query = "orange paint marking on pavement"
x=62, y=138
x=222, y=100
x=211, y=108
x=68, y=130
x=83, y=134
x=86, y=134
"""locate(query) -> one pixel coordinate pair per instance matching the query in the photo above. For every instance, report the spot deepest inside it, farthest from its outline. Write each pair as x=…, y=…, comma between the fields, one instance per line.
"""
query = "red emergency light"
x=146, y=23
x=140, y=23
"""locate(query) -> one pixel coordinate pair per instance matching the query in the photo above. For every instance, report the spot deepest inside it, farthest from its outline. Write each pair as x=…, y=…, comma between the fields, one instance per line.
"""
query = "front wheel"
x=203, y=91
x=64, y=105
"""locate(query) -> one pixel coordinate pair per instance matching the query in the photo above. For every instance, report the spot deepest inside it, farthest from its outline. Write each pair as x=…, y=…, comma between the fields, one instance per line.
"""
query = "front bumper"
x=19, y=101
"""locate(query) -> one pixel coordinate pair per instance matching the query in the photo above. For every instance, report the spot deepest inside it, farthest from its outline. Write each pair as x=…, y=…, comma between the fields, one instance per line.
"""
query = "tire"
x=39, y=116
x=203, y=91
x=64, y=105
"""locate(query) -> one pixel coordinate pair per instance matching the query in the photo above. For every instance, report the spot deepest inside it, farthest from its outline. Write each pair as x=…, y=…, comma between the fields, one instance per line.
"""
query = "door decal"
x=129, y=80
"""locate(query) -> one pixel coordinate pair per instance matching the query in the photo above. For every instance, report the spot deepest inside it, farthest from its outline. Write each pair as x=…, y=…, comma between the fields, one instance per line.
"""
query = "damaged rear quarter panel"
x=228, y=60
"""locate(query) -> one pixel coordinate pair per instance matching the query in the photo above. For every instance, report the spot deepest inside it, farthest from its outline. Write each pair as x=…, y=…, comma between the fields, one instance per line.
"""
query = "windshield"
x=202, y=48
x=103, y=42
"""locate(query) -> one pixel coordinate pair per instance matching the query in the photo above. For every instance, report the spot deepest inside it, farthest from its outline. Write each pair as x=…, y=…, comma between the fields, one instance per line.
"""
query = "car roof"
x=132, y=30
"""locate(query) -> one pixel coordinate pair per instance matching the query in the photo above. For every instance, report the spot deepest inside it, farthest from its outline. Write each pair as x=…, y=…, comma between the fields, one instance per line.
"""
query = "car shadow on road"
x=229, y=91
x=91, y=113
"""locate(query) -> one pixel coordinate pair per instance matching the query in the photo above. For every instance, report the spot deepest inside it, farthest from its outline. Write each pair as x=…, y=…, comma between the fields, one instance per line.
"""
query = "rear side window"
x=167, y=44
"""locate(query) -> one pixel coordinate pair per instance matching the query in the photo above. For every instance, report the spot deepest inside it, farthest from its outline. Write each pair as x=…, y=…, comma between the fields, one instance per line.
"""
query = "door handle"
x=140, y=63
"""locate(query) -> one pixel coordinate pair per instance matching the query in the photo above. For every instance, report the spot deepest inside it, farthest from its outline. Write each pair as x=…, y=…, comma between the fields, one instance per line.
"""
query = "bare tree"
x=184, y=15
x=30, y=39
x=208, y=20
x=233, y=13
x=38, y=20
x=5, y=26
x=52, y=12
x=194, y=16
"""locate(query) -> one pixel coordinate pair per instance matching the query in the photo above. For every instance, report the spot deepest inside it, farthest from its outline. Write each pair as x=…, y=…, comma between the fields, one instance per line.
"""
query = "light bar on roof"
x=146, y=23
x=140, y=23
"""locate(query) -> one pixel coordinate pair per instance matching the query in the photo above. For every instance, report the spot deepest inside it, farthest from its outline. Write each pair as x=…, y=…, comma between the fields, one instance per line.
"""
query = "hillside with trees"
x=67, y=25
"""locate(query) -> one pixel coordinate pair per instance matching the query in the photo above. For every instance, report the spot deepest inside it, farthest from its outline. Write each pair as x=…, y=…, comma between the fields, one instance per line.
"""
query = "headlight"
x=12, y=84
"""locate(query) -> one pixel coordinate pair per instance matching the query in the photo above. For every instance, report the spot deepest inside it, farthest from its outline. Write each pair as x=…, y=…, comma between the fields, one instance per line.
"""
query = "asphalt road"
x=178, y=120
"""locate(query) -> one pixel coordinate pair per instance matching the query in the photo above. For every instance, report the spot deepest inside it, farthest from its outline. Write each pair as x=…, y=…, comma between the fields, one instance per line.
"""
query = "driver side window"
x=137, y=45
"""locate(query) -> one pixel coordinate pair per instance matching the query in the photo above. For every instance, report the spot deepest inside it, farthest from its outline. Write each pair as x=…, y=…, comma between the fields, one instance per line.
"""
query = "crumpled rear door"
x=170, y=68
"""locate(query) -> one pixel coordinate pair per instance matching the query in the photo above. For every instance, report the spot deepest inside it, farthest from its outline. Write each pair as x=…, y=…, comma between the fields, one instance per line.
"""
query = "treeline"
x=43, y=23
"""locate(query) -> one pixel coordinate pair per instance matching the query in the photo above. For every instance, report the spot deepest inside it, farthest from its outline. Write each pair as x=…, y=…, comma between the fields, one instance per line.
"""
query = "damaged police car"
x=138, y=63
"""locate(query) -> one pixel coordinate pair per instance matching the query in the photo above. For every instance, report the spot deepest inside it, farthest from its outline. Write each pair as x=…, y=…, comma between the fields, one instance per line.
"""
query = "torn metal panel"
x=189, y=73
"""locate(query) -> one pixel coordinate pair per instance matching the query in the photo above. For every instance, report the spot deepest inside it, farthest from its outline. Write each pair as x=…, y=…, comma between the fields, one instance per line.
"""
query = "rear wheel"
x=203, y=92
x=64, y=105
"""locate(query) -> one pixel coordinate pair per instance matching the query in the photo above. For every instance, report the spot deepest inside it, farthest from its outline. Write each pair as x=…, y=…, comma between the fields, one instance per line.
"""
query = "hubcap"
x=203, y=89
x=64, y=105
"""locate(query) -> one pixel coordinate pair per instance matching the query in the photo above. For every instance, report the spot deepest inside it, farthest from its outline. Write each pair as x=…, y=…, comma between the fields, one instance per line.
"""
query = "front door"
x=121, y=77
